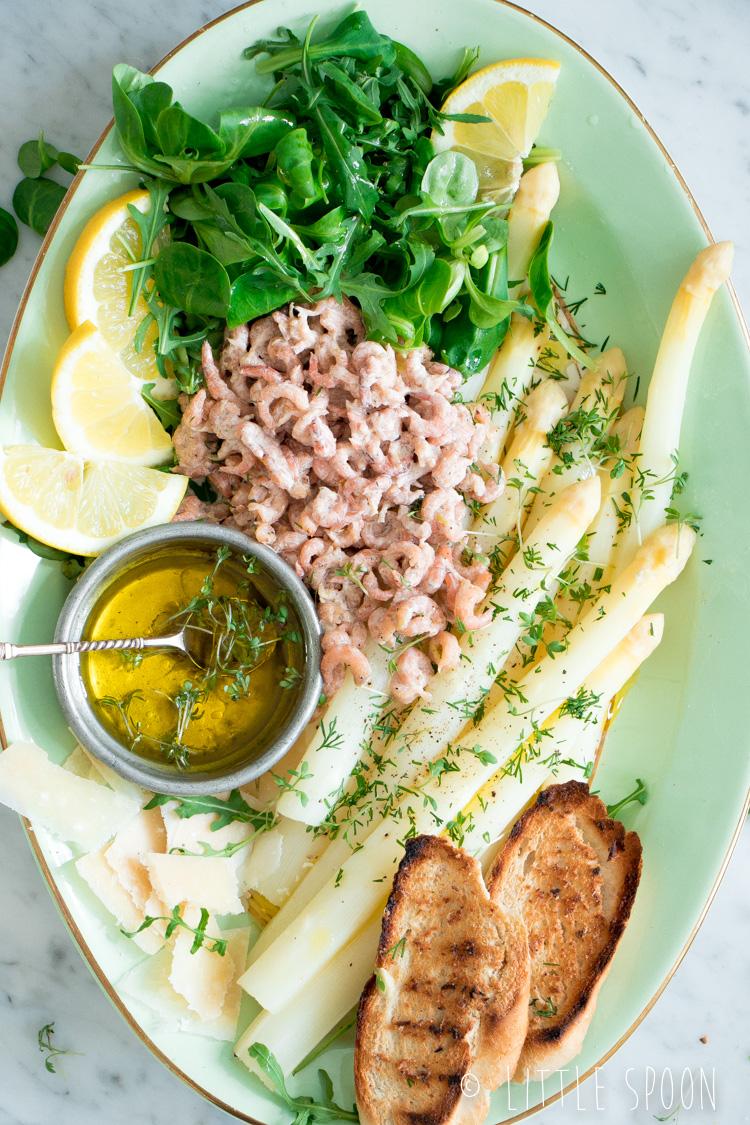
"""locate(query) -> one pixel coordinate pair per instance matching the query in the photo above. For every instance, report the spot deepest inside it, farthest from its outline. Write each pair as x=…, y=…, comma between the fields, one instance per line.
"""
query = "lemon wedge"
x=515, y=95
x=82, y=506
x=98, y=286
x=97, y=406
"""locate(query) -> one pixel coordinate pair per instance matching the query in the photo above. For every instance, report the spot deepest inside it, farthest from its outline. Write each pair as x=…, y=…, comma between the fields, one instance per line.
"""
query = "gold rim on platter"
x=31, y=835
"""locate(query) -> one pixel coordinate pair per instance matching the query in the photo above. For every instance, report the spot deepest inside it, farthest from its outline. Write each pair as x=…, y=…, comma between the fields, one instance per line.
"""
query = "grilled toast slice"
x=572, y=873
x=441, y=1023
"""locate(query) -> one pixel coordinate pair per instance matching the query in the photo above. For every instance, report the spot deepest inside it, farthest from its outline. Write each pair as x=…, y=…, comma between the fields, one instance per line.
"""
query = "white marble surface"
x=685, y=66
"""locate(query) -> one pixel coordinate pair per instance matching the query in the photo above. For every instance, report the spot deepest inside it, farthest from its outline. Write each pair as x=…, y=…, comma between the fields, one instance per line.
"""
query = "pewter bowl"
x=275, y=738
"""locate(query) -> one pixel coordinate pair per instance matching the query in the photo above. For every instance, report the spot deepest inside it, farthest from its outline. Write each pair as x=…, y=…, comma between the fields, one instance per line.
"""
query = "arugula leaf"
x=235, y=807
x=639, y=794
x=347, y=164
x=167, y=410
x=371, y=291
x=150, y=226
x=217, y=945
x=540, y=284
x=442, y=89
x=354, y=99
x=306, y=1110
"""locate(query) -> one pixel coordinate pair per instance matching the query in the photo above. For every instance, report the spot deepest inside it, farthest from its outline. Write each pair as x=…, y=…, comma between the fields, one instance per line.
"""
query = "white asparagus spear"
x=597, y=400
x=603, y=533
x=498, y=802
x=430, y=726
x=508, y=379
x=537, y=194
x=348, y=719
x=660, y=440
x=579, y=583
x=525, y=463
x=342, y=907
x=337, y=747
x=292, y=1033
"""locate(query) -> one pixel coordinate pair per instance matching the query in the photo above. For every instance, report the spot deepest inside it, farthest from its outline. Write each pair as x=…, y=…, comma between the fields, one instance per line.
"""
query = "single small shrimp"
x=465, y=606
x=217, y=387
x=413, y=673
x=444, y=651
x=296, y=398
x=334, y=664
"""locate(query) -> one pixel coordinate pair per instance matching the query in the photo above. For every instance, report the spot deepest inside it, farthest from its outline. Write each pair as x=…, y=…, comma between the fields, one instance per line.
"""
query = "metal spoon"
x=186, y=641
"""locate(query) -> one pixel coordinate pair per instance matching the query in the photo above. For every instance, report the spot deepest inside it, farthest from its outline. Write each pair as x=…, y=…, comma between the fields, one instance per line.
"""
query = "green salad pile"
x=331, y=187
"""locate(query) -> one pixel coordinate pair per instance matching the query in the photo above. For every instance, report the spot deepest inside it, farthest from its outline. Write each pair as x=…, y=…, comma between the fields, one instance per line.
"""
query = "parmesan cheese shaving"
x=81, y=765
x=259, y=870
x=203, y=881
x=148, y=982
x=71, y=807
x=94, y=870
x=115, y=781
x=125, y=854
x=190, y=833
x=202, y=978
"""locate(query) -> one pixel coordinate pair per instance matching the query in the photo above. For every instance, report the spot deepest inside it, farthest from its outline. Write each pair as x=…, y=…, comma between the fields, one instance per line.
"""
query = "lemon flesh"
x=515, y=95
x=82, y=506
x=98, y=286
x=97, y=406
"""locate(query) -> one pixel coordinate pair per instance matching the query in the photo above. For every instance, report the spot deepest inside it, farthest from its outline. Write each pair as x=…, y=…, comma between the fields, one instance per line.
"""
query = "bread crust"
x=456, y=971
x=573, y=873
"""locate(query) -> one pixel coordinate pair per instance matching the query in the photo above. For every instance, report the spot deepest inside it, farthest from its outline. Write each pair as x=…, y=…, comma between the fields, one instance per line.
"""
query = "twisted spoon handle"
x=8, y=651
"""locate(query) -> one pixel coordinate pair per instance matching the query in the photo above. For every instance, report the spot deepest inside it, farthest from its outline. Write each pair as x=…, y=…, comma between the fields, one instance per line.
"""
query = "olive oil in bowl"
x=219, y=717
x=159, y=703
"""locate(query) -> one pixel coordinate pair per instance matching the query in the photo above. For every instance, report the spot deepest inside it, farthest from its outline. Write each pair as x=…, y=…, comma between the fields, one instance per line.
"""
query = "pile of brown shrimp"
x=353, y=462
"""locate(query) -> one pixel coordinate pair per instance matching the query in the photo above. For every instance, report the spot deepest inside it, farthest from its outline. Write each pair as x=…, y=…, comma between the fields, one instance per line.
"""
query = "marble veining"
x=685, y=66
